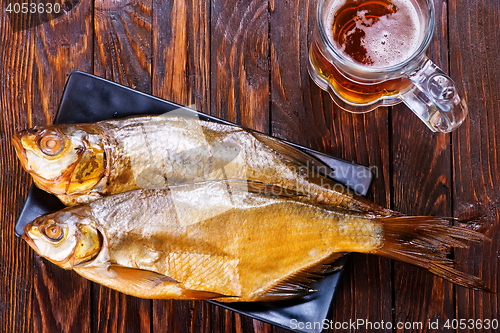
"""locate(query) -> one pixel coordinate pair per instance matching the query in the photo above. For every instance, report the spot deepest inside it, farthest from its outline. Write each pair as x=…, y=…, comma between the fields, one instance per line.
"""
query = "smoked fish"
x=82, y=162
x=231, y=241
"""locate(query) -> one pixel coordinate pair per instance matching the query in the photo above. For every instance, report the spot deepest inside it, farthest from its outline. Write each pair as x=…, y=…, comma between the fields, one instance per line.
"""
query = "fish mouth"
x=20, y=150
x=28, y=239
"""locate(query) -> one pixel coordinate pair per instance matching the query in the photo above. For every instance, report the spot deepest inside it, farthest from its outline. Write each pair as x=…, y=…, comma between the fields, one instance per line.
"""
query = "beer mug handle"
x=435, y=98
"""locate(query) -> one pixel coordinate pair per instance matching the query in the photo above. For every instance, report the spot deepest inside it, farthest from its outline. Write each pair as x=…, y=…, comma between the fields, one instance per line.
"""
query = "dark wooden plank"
x=123, y=36
x=293, y=113
x=474, y=65
x=172, y=316
x=185, y=316
x=122, y=42
x=302, y=113
x=61, y=300
x=239, y=62
x=117, y=312
x=60, y=47
x=422, y=186
x=365, y=291
x=181, y=63
x=16, y=259
x=31, y=95
x=421, y=165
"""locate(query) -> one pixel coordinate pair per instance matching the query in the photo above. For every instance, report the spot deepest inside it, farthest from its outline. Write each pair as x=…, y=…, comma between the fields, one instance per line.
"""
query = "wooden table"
x=246, y=61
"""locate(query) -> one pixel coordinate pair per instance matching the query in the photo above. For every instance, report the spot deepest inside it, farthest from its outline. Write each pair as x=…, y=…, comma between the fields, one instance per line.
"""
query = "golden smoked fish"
x=82, y=162
x=230, y=241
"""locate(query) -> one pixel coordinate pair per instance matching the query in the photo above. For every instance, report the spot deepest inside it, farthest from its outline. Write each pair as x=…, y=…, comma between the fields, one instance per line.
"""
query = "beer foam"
x=389, y=40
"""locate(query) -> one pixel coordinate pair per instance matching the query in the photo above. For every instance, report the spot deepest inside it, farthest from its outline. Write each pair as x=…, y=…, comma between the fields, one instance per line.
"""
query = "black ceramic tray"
x=88, y=98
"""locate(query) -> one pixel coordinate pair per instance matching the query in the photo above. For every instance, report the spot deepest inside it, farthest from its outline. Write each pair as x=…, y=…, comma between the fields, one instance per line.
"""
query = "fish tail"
x=425, y=241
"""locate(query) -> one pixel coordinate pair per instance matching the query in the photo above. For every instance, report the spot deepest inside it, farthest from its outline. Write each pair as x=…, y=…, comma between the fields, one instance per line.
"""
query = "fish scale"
x=248, y=239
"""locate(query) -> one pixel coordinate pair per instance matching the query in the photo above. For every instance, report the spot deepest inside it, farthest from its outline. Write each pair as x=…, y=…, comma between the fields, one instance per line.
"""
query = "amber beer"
x=371, y=33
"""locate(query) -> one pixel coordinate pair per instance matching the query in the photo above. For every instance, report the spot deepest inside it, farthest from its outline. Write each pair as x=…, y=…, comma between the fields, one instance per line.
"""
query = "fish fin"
x=334, y=266
x=293, y=154
x=298, y=284
x=424, y=241
x=139, y=277
x=319, y=173
x=201, y=294
x=284, y=293
x=243, y=185
x=263, y=188
x=330, y=264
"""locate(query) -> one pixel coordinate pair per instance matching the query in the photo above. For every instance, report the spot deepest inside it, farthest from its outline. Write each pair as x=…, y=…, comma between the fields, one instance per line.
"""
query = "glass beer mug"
x=367, y=54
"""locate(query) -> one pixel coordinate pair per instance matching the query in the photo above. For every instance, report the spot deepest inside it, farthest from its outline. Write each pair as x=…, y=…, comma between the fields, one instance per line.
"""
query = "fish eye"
x=51, y=143
x=54, y=232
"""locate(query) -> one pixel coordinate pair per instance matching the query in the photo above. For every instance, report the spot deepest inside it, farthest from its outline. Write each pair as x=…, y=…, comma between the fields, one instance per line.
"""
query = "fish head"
x=63, y=159
x=66, y=238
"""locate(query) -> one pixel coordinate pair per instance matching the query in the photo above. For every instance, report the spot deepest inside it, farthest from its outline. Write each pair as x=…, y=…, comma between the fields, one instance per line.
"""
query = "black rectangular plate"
x=88, y=98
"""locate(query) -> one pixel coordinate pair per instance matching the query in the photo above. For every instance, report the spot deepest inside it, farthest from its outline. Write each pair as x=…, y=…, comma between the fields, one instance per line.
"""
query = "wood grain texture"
x=365, y=291
x=297, y=110
x=422, y=185
x=116, y=312
x=123, y=42
x=60, y=47
x=16, y=260
x=184, y=316
x=62, y=299
x=473, y=45
x=181, y=42
x=239, y=62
